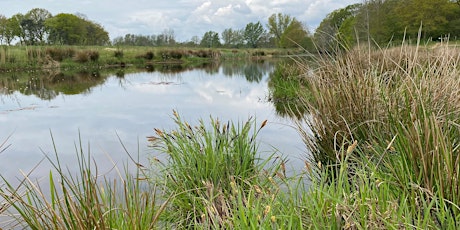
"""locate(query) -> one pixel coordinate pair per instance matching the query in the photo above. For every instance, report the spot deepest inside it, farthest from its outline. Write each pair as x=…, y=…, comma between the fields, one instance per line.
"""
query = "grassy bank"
x=36, y=58
x=383, y=126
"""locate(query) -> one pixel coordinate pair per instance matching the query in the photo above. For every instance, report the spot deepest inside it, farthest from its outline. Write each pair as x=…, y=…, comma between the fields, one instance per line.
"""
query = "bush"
x=59, y=54
x=86, y=55
x=171, y=54
x=149, y=55
x=118, y=54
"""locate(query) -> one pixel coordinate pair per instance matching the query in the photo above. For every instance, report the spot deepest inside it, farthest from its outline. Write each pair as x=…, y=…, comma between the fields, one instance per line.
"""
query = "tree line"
x=378, y=21
x=384, y=22
x=281, y=30
x=40, y=27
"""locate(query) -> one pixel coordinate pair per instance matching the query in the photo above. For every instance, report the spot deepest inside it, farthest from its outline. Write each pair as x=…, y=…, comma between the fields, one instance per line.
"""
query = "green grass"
x=401, y=106
x=39, y=58
x=210, y=169
x=86, y=200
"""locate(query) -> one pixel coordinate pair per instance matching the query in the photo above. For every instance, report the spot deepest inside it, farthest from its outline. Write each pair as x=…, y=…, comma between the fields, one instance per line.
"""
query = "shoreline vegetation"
x=56, y=58
x=382, y=126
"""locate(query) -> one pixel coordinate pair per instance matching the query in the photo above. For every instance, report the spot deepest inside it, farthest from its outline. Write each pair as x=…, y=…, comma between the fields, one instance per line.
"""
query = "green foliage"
x=210, y=40
x=206, y=167
x=68, y=29
x=233, y=38
x=294, y=36
x=285, y=83
x=33, y=26
x=278, y=23
x=383, y=22
x=328, y=35
x=253, y=33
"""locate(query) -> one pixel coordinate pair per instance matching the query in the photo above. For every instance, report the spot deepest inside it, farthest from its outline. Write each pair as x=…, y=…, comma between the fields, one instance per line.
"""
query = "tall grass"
x=86, y=200
x=215, y=174
x=402, y=106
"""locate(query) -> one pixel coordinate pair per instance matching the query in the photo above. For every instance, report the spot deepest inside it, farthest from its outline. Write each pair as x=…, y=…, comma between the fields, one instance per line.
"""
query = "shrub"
x=59, y=54
x=81, y=57
x=171, y=54
x=118, y=54
x=93, y=55
x=86, y=55
x=149, y=55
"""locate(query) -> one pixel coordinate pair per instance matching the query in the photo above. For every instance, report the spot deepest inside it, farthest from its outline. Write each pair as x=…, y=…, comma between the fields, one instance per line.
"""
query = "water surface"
x=103, y=109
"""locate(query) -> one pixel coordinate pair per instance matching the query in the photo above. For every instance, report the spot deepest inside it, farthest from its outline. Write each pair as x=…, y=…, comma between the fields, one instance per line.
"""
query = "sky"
x=187, y=18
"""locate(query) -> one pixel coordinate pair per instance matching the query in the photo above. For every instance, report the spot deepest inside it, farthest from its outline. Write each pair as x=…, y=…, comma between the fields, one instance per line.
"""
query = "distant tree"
x=12, y=30
x=277, y=24
x=327, y=35
x=33, y=26
x=232, y=38
x=168, y=37
x=96, y=34
x=295, y=35
x=70, y=29
x=66, y=29
x=253, y=33
x=195, y=40
x=210, y=39
x=3, y=22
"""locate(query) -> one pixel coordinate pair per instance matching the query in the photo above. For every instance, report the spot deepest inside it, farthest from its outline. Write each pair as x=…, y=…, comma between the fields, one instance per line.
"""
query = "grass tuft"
x=86, y=200
x=213, y=171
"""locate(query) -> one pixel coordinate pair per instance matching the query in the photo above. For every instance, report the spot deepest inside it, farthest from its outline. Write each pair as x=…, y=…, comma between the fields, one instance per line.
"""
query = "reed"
x=86, y=200
x=402, y=106
x=206, y=167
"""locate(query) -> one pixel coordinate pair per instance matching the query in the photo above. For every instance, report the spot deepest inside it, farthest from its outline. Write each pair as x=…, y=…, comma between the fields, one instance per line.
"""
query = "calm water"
x=100, y=108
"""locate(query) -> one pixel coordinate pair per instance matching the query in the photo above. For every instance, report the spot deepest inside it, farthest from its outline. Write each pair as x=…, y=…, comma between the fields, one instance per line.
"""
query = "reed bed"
x=399, y=108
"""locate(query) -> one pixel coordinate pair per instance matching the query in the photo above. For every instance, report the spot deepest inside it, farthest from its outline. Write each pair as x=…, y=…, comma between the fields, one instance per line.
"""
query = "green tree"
x=66, y=29
x=3, y=22
x=33, y=26
x=277, y=24
x=253, y=33
x=232, y=38
x=12, y=30
x=96, y=34
x=327, y=35
x=17, y=27
x=70, y=29
x=295, y=35
x=210, y=39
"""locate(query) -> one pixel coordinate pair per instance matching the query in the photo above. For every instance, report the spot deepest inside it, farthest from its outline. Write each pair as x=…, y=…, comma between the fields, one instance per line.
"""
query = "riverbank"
x=44, y=58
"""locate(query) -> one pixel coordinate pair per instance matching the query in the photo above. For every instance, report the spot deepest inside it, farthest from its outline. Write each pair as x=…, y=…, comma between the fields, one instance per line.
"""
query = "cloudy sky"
x=186, y=17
